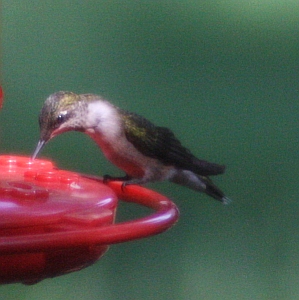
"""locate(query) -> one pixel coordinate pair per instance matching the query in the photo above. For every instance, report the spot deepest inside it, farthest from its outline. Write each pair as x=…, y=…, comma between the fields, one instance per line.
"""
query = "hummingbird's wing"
x=161, y=143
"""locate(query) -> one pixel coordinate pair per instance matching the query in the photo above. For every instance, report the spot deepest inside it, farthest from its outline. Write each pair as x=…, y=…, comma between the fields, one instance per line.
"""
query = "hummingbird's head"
x=62, y=111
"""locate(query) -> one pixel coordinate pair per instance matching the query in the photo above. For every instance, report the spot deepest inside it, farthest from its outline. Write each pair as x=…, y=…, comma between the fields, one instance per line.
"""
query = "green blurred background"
x=224, y=76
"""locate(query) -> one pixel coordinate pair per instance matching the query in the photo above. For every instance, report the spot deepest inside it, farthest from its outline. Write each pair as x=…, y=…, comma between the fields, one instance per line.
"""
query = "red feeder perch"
x=53, y=222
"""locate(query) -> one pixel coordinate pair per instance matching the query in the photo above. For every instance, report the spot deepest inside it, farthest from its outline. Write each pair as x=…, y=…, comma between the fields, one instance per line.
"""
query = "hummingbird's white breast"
x=105, y=126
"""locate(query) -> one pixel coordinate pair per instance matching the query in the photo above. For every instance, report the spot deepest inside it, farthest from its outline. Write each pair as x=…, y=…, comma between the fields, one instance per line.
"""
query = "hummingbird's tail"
x=199, y=183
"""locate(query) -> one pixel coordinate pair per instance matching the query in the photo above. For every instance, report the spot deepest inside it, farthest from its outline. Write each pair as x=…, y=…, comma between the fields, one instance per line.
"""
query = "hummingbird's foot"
x=107, y=178
x=130, y=181
x=126, y=180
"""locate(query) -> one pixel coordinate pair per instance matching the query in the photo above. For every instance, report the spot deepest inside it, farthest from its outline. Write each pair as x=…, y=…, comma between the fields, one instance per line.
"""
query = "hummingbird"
x=144, y=151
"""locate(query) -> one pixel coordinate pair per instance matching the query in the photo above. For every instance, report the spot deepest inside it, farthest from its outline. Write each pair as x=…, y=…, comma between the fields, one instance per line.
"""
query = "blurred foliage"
x=224, y=77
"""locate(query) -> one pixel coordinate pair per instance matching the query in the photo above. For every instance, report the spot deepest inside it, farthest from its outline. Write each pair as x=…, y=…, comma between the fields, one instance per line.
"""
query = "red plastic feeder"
x=53, y=222
x=1, y=97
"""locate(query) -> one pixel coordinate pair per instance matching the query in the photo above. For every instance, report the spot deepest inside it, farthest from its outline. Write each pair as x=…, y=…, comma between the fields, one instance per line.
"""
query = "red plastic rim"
x=165, y=215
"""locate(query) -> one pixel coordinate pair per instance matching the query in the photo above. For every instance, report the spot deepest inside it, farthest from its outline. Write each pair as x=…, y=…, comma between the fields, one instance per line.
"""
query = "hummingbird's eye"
x=61, y=118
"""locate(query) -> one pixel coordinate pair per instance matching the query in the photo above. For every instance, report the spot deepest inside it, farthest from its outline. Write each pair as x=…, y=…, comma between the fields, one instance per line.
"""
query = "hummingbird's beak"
x=38, y=148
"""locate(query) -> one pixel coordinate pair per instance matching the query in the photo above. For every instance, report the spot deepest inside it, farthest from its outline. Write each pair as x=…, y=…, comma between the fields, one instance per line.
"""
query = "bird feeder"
x=1, y=97
x=53, y=221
